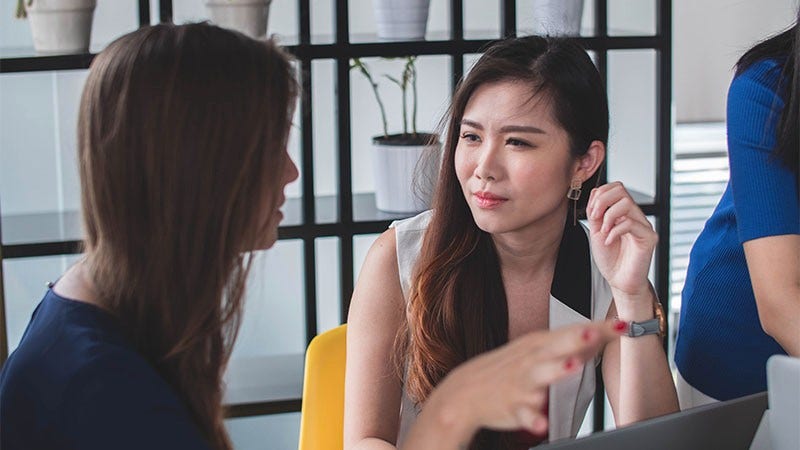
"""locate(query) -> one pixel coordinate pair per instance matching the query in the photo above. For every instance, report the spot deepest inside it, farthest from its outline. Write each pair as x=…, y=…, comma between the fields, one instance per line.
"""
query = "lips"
x=488, y=200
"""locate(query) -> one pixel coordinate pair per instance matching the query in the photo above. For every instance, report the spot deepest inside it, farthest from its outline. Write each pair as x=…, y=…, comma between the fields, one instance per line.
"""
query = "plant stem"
x=411, y=62
x=365, y=71
x=20, y=13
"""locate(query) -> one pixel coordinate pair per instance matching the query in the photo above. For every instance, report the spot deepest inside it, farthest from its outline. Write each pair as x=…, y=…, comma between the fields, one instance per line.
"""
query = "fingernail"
x=620, y=326
x=587, y=334
x=540, y=425
x=570, y=363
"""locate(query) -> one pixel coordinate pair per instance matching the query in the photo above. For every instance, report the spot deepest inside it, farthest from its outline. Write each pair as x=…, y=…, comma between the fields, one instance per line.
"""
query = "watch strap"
x=636, y=329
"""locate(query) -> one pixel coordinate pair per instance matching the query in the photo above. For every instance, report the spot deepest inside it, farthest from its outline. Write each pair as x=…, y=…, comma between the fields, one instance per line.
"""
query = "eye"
x=517, y=143
x=470, y=137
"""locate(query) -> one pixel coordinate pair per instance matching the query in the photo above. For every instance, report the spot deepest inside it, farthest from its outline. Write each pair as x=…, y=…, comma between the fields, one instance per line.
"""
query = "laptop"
x=783, y=386
x=728, y=425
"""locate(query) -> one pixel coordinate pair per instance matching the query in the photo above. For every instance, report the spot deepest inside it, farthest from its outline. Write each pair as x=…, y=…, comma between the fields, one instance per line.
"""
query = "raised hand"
x=622, y=238
x=507, y=388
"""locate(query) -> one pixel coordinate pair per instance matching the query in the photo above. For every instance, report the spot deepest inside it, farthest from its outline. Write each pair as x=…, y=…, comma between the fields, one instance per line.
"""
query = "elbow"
x=776, y=314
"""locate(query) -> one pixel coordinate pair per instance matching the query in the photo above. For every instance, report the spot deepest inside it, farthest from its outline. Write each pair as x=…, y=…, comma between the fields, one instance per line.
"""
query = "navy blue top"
x=74, y=382
x=722, y=349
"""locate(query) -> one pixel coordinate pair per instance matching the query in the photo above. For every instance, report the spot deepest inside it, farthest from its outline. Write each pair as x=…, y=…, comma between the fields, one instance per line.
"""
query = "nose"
x=290, y=172
x=489, y=165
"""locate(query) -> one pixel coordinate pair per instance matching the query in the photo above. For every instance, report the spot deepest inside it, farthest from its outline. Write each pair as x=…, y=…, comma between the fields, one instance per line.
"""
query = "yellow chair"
x=322, y=413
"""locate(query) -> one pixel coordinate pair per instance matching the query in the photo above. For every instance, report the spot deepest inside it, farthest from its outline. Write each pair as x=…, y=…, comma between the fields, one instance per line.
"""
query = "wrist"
x=634, y=307
x=448, y=412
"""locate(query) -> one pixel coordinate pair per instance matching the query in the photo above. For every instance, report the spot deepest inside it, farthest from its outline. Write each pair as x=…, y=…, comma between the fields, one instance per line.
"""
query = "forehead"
x=509, y=101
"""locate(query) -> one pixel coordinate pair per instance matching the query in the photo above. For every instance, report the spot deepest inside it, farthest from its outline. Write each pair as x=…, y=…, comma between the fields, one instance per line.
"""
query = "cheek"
x=463, y=165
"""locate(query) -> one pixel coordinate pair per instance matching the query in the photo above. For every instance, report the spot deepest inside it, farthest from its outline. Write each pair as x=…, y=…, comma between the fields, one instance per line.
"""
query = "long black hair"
x=457, y=307
x=784, y=46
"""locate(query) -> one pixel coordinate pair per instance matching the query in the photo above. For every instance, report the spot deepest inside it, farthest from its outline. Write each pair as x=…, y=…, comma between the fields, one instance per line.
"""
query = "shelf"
x=26, y=60
x=263, y=385
x=49, y=234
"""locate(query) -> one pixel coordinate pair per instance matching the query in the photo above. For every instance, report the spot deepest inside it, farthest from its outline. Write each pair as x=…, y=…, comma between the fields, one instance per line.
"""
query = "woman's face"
x=274, y=217
x=513, y=160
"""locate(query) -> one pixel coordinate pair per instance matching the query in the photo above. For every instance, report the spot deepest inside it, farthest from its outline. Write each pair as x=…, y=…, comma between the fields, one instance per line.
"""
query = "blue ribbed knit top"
x=722, y=349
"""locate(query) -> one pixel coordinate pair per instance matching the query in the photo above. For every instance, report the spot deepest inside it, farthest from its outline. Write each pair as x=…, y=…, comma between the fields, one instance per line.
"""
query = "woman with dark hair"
x=500, y=255
x=741, y=301
x=183, y=161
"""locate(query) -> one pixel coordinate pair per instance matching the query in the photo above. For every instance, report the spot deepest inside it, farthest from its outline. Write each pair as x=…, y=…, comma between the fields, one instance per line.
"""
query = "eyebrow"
x=507, y=128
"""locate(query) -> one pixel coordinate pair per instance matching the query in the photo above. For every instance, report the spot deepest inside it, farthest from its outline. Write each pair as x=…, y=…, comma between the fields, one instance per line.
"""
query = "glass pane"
x=273, y=322
x=25, y=281
x=631, y=17
x=323, y=21
x=276, y=431
x=267, y=359
x=433, y=74
x=282, y=17
x=632, y=149
x=328, y=274
x=323, y=100
x=481, y=19
x=38, y=122
x=111, y=20
x=363, y=27
x=555, y=17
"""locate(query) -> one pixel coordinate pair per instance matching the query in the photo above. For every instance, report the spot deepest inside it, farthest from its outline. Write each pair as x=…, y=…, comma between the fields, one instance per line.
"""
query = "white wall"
x=708, y=37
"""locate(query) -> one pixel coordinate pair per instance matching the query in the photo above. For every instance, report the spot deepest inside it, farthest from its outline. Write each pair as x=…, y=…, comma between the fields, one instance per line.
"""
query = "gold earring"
x=574, y=194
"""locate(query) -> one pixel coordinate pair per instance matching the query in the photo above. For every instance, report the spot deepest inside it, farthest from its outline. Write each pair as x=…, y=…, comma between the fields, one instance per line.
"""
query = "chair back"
x=322, y=412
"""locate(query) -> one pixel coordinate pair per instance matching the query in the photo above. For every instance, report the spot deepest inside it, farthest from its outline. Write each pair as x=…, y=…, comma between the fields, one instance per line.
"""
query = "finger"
x=532, y=421
x=571, y=340
x=621, y=208
x=639, y=231
x=605, y=196
x=542, y=371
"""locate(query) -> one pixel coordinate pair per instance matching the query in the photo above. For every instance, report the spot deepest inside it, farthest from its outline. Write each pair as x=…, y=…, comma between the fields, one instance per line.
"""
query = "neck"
x=76, y=284
x=526, y=254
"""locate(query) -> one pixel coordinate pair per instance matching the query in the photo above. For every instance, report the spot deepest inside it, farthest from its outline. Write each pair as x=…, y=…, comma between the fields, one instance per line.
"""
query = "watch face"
x=662, y=321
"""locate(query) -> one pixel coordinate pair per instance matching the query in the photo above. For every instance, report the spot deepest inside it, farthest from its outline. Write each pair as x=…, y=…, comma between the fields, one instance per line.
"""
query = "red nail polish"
x=569, y=364
x=586, y=334
x=620, y=326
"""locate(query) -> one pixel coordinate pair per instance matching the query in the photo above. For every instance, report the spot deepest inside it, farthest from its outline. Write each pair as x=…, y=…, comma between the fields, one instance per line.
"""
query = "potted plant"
x=557, y=17
x=401, y=19
x=405, y=164
x=246, y=16
x=59, y=26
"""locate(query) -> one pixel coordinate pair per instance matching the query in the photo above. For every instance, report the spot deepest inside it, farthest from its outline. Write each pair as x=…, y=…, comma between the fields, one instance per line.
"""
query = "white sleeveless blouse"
x=576, y=278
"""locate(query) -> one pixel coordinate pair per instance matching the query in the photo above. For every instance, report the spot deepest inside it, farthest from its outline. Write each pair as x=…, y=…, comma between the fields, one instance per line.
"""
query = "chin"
x=491, y=225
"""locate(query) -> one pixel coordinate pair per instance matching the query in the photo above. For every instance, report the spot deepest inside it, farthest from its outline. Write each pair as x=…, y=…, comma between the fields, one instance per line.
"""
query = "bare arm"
x=774, y=266
x=372, y=388
x=636, y=374
x=635, y=370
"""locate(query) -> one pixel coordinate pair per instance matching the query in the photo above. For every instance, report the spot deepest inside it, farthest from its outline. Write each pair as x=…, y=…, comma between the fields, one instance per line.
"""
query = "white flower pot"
x=557, y=17
x=246, y=16
x=401, y=19
x=61, y=26
x=404, y=176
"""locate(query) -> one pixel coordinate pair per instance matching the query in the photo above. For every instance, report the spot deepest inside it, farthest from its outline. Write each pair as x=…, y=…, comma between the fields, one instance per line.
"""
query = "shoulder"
x=418, y=223
x=760, y=80
x=86, y=387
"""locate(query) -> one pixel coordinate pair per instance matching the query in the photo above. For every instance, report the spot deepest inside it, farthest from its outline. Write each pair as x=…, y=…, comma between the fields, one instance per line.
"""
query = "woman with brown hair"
x=500, y=255
x=182, y=140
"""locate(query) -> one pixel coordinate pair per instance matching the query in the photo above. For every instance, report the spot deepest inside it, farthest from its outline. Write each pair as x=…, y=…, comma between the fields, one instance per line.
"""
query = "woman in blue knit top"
x=741, y=302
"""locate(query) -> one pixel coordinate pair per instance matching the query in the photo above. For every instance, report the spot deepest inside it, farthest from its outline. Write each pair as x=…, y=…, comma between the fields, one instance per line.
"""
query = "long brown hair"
x=182, y=135
x=457, y=307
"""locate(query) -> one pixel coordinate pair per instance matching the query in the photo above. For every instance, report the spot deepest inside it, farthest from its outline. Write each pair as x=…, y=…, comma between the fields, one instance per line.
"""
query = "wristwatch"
x=657, y=325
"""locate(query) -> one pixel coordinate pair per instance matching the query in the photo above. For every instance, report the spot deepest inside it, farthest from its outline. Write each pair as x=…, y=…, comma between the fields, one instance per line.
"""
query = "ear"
x=587, y=165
